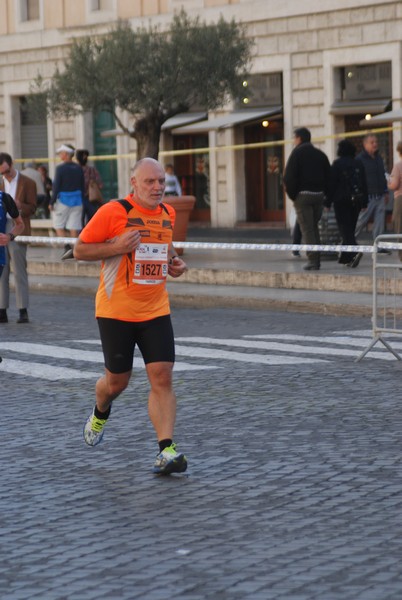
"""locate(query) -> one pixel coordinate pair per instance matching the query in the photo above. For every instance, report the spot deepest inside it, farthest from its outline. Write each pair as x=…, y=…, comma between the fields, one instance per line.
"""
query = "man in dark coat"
x=306, y=179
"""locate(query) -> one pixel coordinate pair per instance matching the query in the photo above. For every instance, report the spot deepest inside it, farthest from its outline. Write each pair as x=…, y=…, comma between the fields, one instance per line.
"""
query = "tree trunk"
x=147, y=134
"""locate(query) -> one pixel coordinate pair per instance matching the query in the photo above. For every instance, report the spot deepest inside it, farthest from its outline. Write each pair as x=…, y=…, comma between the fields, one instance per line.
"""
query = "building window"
x=30, y=10
x=261, y=90
x=95, y=5
x=366, y=81
x=33, y=120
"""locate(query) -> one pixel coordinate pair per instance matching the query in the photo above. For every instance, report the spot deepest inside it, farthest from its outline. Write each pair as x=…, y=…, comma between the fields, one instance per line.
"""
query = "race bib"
x=150, y=264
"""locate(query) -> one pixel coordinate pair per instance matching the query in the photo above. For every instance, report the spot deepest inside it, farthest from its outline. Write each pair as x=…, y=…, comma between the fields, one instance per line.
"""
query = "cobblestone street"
x=293, y=490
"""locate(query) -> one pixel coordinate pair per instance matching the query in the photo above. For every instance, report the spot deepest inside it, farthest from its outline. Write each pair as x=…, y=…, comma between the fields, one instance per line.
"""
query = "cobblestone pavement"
x=294, y=485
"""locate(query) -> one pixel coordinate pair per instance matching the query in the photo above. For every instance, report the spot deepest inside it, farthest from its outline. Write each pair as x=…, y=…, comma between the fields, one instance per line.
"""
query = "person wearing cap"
x=67, y=197
x=23, y=191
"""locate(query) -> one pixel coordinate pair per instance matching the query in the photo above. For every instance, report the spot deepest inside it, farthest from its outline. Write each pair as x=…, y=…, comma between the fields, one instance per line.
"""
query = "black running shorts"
x=154, y=338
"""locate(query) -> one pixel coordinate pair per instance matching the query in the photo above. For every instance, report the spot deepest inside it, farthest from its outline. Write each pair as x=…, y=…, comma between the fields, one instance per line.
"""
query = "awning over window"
x=359, y=107
x=238, y=117
x=183, y=119
x=178, y=120
x=114, y=132
x=384, y=118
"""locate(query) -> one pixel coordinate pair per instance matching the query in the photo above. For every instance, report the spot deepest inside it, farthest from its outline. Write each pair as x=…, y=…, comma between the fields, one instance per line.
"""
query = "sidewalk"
x=241, y=278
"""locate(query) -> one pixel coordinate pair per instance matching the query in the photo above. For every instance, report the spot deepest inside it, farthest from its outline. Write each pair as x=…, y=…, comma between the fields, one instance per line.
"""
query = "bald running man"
x=133, y=239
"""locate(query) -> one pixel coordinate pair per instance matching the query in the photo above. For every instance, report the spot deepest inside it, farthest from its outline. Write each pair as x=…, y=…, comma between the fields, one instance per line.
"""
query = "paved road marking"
x=44, y=371
x=231, y=355
x=282, y=347
x=263, y=359
x=360, y=342
x=51, y=351
x=266, y=349
x=54, y=373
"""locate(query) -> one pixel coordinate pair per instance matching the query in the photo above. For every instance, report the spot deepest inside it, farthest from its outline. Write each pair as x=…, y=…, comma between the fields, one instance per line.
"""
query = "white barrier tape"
x=56, y=241
x=45, y=241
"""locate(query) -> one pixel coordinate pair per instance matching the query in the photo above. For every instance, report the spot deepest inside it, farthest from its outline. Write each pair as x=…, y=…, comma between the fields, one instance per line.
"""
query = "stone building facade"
x=324, y=65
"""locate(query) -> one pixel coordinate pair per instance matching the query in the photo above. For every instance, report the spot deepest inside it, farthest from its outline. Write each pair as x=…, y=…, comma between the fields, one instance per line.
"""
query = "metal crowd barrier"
x=387, y=287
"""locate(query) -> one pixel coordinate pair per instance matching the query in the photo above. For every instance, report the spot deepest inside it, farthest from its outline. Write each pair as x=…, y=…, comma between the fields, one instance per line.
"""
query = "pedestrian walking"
x=173, y=187
x=47, y=184
x=67, y=197
x=23, y=191
x=91, y=178
x=8, y=211
x=395, y=184
x=133, y=238
x=30, y=170
x=376, y=188
x=348, y=194
x=307, y=184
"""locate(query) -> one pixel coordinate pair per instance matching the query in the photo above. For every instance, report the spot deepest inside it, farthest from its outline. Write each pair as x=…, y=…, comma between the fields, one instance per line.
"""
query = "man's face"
x=371, y=145
x=64, y=156
x=149, y=184
x=296, y=140
x=6, y=170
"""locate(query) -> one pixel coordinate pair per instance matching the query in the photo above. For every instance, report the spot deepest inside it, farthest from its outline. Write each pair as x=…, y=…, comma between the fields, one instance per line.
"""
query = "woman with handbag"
x=93, y=198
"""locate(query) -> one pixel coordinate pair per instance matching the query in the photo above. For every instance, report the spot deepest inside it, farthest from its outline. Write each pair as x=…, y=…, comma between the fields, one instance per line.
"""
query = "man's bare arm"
x=122, y=244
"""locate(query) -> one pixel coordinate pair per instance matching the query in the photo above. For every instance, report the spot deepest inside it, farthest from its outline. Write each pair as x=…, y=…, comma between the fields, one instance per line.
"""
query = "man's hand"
x=4, y=239
x=127, y=242
x=177, y=267
x=119, y=245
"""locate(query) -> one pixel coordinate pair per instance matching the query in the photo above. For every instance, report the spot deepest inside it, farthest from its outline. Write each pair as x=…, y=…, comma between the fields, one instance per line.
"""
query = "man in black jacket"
x=307, y=184
x=376, y=188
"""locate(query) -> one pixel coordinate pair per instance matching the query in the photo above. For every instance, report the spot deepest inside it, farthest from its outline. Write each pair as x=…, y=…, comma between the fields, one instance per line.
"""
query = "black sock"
x=102, y=415
x=164, y=444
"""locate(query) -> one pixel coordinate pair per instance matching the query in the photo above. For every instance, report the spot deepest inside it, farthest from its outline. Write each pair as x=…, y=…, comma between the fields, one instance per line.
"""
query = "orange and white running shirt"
x=132, y=287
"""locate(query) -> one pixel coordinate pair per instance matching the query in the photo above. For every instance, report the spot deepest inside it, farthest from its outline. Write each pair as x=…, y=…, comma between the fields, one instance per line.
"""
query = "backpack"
x=353, y=187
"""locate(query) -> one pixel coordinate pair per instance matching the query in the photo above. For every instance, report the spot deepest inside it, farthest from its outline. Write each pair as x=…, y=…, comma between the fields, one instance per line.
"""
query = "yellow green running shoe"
x=169, y=461
x=93, y=430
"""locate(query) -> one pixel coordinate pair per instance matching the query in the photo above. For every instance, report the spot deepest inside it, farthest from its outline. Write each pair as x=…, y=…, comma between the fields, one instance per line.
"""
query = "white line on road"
x=279, y=347
x=53, y=351
x=242, y=357
x=54, y=373
x=43, y=371
x=340, y=340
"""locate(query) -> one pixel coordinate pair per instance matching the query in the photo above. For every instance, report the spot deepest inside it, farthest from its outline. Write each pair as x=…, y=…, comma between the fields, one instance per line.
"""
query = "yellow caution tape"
x=206, y=150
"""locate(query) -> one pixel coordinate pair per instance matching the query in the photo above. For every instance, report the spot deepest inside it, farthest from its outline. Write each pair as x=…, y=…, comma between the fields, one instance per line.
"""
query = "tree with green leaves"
x=151, y=73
